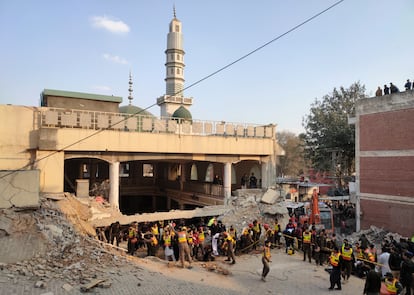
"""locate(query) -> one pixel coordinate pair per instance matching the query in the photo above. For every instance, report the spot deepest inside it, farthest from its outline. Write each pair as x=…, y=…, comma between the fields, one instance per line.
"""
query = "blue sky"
x=90, y=46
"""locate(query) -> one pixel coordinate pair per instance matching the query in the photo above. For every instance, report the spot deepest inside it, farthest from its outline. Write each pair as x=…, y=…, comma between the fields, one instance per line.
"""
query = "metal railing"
x=69, y=118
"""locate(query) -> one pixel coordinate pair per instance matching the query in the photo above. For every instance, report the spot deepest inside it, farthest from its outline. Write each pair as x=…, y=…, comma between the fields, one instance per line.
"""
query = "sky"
x=91, y=46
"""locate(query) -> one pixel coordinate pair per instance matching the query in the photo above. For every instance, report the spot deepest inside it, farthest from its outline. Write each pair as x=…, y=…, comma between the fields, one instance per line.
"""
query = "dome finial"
x=130, y=97
x=175, y=16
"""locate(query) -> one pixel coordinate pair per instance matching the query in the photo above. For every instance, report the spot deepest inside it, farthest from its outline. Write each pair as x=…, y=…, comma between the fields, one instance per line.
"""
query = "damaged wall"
x=19, y=189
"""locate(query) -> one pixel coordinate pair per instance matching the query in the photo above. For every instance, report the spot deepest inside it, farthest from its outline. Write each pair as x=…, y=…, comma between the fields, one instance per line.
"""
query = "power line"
x=185, y=88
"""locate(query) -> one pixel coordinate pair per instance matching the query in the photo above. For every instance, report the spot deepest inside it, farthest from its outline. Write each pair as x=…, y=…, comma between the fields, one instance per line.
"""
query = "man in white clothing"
x=383, y=261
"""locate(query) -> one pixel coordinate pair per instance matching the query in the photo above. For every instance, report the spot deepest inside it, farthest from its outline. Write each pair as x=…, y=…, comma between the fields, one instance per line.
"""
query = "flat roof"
x=71, y=94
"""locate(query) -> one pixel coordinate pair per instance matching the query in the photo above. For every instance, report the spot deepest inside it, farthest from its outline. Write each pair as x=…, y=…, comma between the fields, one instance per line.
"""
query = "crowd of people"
x=391, y=267
x=393, y=89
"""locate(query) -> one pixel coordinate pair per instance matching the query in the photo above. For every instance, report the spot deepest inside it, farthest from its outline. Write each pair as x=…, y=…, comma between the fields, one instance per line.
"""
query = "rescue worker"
x=246, y=241
x=266, y=259
x=115, y=233
x=335, y=276
x=347, y=257
x=132, y=238
x=183, y=247
x=392, y=285
x=155, y=231
x=256, y=232
x=268, y=232
x=228, y=247
x=288, y=232
x=151, y=242
x=306, y=244
x=167, y=240
x=277, y=232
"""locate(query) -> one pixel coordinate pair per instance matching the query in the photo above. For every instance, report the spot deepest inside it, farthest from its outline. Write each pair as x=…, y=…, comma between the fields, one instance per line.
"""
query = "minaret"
x=130, y=97
x=174, y=66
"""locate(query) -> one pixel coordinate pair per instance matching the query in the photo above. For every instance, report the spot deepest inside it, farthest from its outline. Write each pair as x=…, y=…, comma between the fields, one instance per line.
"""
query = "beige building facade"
x=89, y=145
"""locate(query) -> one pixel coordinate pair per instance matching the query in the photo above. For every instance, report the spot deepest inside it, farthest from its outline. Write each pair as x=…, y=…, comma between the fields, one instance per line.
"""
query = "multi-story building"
x=74, y=141
x=385, y=162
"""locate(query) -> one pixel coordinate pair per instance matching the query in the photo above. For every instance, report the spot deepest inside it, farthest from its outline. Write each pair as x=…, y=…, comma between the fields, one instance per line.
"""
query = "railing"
x=68, y=118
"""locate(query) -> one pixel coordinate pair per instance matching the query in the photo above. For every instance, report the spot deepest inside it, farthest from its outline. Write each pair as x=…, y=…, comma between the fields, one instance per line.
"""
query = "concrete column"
x=114, y=184
x=168, y=203
x=227, y=183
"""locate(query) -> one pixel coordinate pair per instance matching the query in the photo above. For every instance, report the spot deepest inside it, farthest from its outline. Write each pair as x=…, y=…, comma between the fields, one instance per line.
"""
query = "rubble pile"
x=375, y=235
x=249, y=205
x=70, y=254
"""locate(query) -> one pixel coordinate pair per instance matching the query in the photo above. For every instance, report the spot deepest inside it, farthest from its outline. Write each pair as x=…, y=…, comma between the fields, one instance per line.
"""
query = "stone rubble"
x=74, y=255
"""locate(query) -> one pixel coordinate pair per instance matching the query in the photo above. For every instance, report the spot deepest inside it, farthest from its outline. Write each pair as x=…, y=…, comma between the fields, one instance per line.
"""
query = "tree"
x=329, y=138
x=293, y=162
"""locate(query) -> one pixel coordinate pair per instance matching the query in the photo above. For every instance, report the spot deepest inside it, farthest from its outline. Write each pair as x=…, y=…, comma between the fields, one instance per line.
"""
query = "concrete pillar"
x=227, y=183
x=114, y=184
x=168, y=203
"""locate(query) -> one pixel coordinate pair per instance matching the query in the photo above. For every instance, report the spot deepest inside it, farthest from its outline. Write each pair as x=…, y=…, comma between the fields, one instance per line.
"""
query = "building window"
x=178, y=71
x=172, y=71
x=177, y=28
x=148, y=170
x=178, y=57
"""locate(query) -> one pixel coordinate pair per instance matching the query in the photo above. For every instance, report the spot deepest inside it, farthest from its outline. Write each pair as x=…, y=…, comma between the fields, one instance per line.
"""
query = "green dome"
x=182, y=113
x=132, y=110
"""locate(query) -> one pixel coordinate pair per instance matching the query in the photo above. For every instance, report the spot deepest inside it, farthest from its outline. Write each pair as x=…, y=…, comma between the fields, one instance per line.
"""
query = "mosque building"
x=80, y=142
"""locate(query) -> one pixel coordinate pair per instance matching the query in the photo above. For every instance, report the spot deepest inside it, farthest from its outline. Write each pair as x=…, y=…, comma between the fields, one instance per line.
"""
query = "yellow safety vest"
x=190, y=240
x=266, y=252
x=334, y=259
x=391, y=286
x=346, y=253
x=154, y=241
x=256, y=228
x=307, y=238
x=276, y=227
x=167, y=241
x=201, y=236
x=131, y=233
x=154, y=230
x=182, y=238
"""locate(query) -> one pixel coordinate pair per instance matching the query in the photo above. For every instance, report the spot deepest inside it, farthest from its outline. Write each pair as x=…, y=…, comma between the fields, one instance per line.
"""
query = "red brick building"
x=385, y=162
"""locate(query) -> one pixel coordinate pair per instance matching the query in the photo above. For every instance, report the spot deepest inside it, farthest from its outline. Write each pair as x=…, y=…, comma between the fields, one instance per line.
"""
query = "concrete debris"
x=269, y=197
x=214, y=267
x=92, y=284
x=72, y=254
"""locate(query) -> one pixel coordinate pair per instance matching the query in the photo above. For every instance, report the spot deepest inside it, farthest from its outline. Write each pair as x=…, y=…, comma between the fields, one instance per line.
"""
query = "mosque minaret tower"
x=173, y=101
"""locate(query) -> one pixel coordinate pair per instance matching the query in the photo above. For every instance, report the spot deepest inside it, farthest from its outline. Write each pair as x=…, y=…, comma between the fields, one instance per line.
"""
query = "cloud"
x=115, y=59
x=102, y=88
x=112, y=25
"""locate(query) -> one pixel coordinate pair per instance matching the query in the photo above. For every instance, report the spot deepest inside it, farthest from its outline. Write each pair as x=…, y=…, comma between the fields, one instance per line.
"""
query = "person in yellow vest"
x=256, y=230
x=335, y=276
x=228, y=247
x=391, y=285
x=132, y=238
x=155, y=231
x=306, y=244
x=266, y=259
x=167, y=240
x=151, y=242
x=183, y=247
x=268, y=232
x=348, y=258
x=277, y=232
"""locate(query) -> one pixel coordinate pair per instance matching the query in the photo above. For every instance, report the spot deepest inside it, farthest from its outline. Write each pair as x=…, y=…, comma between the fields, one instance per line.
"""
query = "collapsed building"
x=80, y=142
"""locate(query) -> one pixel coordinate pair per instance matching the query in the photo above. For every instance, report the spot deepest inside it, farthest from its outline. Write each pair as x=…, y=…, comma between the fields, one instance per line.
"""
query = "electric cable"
x=185, y=88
